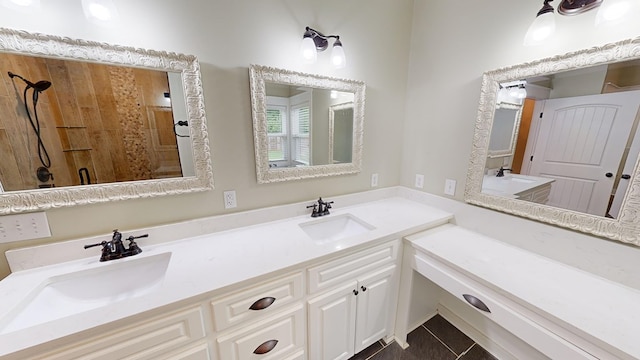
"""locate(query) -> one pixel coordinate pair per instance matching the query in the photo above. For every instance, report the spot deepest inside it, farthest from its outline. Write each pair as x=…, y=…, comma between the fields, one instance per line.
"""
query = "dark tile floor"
x=436, y=339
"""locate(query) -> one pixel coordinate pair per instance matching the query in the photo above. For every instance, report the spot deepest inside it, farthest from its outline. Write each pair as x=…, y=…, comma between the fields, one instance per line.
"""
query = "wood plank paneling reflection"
x=94, y=116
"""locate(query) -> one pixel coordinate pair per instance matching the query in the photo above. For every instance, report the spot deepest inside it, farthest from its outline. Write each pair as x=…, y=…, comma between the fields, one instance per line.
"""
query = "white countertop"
x=599, y=310
x=203, y=264
x=511, y=185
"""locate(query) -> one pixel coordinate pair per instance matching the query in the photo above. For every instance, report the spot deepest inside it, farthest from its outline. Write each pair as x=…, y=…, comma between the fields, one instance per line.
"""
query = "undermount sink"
x=519, y=179
x=333, y=228
x=76, y=292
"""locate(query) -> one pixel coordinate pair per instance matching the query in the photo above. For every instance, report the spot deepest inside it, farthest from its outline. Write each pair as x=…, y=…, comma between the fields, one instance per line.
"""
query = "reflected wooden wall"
x=113, y=121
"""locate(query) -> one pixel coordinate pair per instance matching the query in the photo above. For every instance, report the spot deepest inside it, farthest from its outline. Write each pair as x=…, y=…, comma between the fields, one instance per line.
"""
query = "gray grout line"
x=384, y=346
x=437, y=338
x=466, y=351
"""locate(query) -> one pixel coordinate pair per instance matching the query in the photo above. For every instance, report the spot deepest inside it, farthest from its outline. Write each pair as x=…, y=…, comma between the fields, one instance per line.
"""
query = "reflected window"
x=301, y=123
x=289, y=130
x=277, y=132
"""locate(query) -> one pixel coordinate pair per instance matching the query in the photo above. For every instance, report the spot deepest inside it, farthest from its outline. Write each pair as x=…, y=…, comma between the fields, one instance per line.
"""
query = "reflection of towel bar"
x=180, y=123
x=626, y=88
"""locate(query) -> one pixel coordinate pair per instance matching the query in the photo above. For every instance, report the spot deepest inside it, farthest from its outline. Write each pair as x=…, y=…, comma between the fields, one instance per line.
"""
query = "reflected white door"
x=580, y=143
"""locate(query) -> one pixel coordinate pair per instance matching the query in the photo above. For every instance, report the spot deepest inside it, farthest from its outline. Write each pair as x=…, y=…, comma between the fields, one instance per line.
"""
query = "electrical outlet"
x=230, y=199
x=450, y=187
x=374, y=180
x=24, y=227
x=419, y=181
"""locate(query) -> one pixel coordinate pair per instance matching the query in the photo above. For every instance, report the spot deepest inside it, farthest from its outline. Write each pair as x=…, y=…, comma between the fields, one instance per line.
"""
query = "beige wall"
x=421, y=104
x=227, y=36
x=451, y=47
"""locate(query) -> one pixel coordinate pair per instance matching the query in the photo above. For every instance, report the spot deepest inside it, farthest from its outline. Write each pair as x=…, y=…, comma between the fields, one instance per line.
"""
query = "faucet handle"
x=102, y=243
x=134, y=249
x=314, y=213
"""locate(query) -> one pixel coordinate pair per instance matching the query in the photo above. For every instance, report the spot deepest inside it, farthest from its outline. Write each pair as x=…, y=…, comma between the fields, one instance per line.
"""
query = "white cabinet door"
x=372, y=319
x=332, y=319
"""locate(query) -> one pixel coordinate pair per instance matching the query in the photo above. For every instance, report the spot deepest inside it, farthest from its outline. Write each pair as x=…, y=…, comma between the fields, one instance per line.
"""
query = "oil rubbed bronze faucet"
x=501, y=171
x=320, y=208
x=115, y=249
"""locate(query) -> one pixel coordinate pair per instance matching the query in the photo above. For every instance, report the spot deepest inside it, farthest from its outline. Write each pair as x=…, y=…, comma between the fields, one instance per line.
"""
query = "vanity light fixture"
x=100, y=11
x=610, y=11
x=512, y=90
x=314, y=41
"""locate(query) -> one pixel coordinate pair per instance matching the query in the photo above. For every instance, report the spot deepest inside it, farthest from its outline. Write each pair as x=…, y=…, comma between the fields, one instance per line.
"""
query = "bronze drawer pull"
x=265, y=347
x=263, y=303
x=475, y=302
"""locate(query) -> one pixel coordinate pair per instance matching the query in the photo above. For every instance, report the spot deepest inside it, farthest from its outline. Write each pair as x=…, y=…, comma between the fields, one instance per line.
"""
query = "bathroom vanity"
x=515, y=186
x=312, y=288
x=275, y=289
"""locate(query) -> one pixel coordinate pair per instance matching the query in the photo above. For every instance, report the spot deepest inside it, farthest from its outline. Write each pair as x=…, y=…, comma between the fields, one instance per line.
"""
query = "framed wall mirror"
x=305, y=125
x=506, y=123
x=85, y=122
x=575, y=163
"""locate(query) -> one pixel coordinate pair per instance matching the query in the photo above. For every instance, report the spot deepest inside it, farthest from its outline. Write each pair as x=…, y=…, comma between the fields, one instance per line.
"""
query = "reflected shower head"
x=40, y=86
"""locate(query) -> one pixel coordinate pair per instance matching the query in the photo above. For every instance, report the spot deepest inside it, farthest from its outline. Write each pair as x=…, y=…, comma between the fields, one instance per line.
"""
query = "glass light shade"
x=541, y=28
x=613, y=11
x=308, y=51
x=517, y=92
x=338, y=58
x=100, y=11
x=21, y=4
x=503, y=95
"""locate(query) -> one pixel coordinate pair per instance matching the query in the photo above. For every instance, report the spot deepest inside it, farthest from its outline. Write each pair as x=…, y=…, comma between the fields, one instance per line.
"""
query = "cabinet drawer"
x=256, y=301
x=349, y=267
x=523, y=327
x=145, y=340
x=197, y=352
x=276, y=338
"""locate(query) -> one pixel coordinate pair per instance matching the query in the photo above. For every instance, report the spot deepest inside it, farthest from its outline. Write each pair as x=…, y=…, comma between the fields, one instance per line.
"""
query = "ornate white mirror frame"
x=258, y=76
x=24, y=43
x=626, y=227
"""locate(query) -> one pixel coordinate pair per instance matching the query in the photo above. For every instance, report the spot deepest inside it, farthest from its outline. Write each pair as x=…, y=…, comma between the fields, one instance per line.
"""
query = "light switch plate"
x=374, y=180
x=450, y=187
x=24, y=227
x=419, y=181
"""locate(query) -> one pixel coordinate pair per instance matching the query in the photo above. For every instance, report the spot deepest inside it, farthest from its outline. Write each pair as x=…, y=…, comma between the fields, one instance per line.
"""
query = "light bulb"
x=337, y=56
x=99, y=11
x=503, y=94
x=612, y=11
x=308, y=50
x=542, y=27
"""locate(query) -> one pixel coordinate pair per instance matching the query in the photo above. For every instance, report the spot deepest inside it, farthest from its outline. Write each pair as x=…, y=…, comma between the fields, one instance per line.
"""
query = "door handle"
x=626, y=176
x=608, y=175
